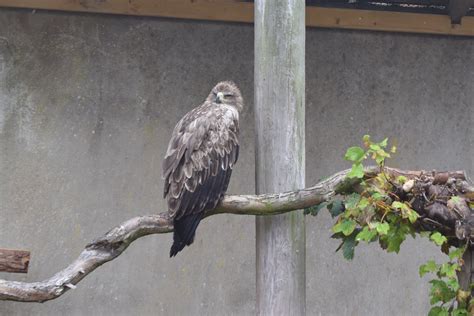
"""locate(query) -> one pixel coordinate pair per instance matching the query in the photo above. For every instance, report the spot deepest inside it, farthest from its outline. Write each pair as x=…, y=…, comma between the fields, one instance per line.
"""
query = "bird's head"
x=226, y=92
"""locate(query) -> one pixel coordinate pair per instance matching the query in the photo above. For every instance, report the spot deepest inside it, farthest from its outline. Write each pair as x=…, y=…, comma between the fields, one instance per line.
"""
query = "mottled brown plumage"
x=198, y=164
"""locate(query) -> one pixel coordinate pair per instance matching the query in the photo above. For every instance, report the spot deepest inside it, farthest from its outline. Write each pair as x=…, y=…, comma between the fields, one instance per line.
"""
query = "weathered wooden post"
x=466, y=275
x=280, y=152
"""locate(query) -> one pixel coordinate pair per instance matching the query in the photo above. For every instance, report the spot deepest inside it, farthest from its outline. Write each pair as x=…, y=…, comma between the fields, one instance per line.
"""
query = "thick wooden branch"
x=114, y=242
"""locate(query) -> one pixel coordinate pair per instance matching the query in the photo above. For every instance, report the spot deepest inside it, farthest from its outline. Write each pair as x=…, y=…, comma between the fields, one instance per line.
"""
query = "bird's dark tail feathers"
x=184, y=231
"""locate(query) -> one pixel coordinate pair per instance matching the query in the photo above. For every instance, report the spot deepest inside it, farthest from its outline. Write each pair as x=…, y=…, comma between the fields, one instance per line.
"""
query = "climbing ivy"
x=370, y=210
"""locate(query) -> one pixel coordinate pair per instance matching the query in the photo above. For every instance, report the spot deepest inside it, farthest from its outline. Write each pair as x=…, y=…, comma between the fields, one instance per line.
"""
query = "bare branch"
x=114, y=242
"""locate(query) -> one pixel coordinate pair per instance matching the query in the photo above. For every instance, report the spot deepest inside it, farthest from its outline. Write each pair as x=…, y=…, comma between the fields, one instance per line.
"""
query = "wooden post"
x=466, y=275
x=14, y=260
x=280, y=152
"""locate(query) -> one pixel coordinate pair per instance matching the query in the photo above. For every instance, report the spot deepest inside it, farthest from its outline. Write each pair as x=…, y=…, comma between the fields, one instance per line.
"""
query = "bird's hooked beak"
x=219, y=97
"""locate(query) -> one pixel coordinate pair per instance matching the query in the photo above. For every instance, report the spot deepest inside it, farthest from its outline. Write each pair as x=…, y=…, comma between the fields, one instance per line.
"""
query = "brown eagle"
x=198, y=164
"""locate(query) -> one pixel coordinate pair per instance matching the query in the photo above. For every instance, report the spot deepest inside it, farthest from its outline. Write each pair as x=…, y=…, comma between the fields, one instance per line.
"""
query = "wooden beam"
x=14, y=260
x=235, y=11
x=220, y=10
x=388, y=21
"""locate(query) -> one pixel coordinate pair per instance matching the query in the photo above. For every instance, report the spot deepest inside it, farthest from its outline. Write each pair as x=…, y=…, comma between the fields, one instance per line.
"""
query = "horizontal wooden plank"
x=235, y=11
x=14, y=260
x=219, y=10
x=388, y=21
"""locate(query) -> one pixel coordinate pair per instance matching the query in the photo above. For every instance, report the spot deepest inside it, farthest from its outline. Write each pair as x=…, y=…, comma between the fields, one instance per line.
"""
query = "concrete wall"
x=88, y=103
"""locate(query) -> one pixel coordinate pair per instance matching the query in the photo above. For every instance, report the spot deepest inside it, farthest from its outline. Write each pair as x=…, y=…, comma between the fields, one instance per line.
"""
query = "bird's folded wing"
x=199, y=162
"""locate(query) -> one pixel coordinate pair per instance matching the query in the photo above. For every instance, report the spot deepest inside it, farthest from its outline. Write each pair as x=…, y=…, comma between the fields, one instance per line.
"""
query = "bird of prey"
x=203, y=149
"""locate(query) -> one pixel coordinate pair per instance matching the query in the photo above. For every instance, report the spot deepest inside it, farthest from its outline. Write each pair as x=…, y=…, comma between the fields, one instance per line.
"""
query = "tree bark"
x=15, y=261
x=280, y=152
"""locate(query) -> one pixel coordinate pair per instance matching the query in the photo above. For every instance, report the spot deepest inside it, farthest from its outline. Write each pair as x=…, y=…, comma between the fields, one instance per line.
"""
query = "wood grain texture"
x=280, y=152
x=388, y=21
x=466, y=275
x=236, y=11
x=15, y=261
x=116, y=241
x=224, y=10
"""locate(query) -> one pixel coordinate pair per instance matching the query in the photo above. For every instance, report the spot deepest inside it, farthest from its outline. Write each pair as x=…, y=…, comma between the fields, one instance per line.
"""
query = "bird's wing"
x=199, y=161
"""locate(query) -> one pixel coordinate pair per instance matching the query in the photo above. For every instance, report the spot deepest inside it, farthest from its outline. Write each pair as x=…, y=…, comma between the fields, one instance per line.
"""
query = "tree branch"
x=114, y=242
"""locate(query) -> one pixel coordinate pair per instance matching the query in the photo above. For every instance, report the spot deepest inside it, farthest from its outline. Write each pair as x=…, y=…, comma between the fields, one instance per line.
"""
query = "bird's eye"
x=214, y=93
x=228, y=95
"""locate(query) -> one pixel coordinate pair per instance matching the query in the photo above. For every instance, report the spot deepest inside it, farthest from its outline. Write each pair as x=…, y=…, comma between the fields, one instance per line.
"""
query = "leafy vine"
x=386, y=209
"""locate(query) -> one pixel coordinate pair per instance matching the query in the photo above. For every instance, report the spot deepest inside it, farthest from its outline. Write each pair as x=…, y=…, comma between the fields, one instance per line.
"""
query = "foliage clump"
x=387, y=206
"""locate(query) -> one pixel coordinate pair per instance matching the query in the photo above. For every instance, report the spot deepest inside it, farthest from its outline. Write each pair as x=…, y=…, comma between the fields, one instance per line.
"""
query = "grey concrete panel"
x=418, y=90
x=87, y=105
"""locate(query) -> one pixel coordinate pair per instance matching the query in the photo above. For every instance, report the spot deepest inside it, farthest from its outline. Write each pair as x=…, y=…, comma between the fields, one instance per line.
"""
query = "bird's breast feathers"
x=210, y=127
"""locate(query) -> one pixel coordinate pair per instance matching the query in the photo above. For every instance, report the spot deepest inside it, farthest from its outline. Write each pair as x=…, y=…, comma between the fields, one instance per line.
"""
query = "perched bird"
x=198, y=164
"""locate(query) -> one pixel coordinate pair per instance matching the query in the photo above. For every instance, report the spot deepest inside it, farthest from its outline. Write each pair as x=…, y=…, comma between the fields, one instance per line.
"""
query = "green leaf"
x=438, y=238
x=394, y=243
x=393, y=218
x=352, y=201
x=366, y=234
x=460, y=312
x=406, y=211
x=377, y=196
x=382, y=228
x=430, y=266
x=401, y=179
x=438, y=311
x=379, y=160
x=440, y=292
x=375, y=147
x=412, y=216
x=449, y=269
x=399, y=205
x=457, y=253
x=338, y=236
x=348, y=247
x=454, y=285
x=346, y=226
x=355, y=154
x=363, y=203
x=470, y=305
x=393, y=239
x=383, y=143
x=425, y=234
x=336, y=207
x=314, y=210
x=357, y=171
x=406, y=229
